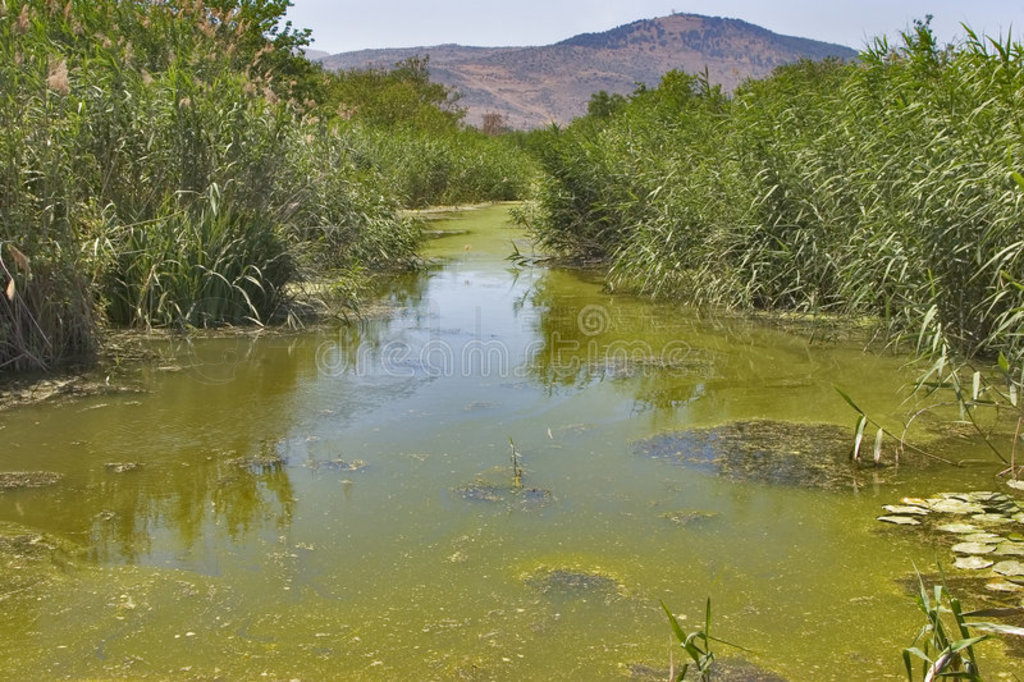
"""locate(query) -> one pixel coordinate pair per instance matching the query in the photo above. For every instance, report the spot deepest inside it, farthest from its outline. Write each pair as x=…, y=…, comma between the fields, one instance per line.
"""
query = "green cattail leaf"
x=908, y=663
x=995, y=613
x=877, y=456
x=976, y=386
x=954, y=647
x=849, y=400
x=676, y=628
x=998, y=628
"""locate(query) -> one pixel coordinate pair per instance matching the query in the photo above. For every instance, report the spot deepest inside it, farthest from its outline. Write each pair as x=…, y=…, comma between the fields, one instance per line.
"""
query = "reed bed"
x=890, y=188
x=180, y=163
x=449, y=168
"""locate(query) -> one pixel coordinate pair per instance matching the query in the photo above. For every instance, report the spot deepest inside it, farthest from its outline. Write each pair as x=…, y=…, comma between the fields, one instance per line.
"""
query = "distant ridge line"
x=535, y=86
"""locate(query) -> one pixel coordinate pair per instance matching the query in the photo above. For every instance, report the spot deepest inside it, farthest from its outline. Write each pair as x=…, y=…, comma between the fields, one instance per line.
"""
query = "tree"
x=403, y=95
x=269, y=43
x=605, y=105
x=494, y=124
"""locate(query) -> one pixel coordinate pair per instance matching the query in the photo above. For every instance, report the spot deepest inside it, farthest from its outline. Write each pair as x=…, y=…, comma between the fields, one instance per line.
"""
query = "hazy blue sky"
x=344, y=26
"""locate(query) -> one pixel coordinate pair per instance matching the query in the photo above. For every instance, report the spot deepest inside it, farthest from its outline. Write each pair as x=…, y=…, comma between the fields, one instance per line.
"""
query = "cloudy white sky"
x=343, y=26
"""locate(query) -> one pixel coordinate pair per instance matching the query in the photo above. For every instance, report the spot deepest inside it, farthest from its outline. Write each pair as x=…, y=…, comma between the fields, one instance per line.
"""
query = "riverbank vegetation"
x=181, y=164
x=889, y=188
x=408, y=129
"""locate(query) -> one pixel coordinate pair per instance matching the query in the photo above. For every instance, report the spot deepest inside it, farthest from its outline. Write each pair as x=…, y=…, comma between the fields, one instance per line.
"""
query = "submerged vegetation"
x=778, y=453
x=888, y=188
x=181, y=163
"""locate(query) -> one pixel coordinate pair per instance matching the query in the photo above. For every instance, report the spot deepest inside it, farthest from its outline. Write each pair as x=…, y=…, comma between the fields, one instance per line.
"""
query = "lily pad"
x=1010, y=549
x=973, y=548
x=991, y=518
x=958, y=528
x=1009, y=568
x=1016, y=485
x=952, y=505
x=900, y=520
x=972, y=563
x=905, y=509
x=1003, y=586
x=984, y=538
x=993, y=498
x=962, y=497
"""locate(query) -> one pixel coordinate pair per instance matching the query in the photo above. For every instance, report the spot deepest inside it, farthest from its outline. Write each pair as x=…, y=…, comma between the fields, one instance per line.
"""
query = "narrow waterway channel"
x=340, y=504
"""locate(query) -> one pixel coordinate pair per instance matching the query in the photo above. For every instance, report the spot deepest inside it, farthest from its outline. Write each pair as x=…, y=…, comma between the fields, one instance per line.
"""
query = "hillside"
x=533, y=86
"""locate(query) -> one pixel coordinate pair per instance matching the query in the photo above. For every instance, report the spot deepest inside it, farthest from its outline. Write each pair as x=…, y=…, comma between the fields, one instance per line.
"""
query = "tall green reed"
x=159, y=166
x=886, y=188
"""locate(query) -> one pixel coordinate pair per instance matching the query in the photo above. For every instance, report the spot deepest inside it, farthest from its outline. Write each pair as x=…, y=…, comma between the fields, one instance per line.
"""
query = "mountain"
x=315, y=55
x=534, y=86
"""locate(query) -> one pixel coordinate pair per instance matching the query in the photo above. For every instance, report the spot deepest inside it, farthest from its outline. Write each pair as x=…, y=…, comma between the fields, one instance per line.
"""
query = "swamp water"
x=340, y=503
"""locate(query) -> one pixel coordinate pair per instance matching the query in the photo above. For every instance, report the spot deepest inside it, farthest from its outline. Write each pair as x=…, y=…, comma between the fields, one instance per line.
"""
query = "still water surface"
x=301, y=506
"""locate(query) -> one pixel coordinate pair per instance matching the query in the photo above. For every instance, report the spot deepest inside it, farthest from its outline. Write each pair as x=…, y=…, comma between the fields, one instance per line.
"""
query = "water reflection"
x=226, y=434
x=588, y=337
x=137, y=467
